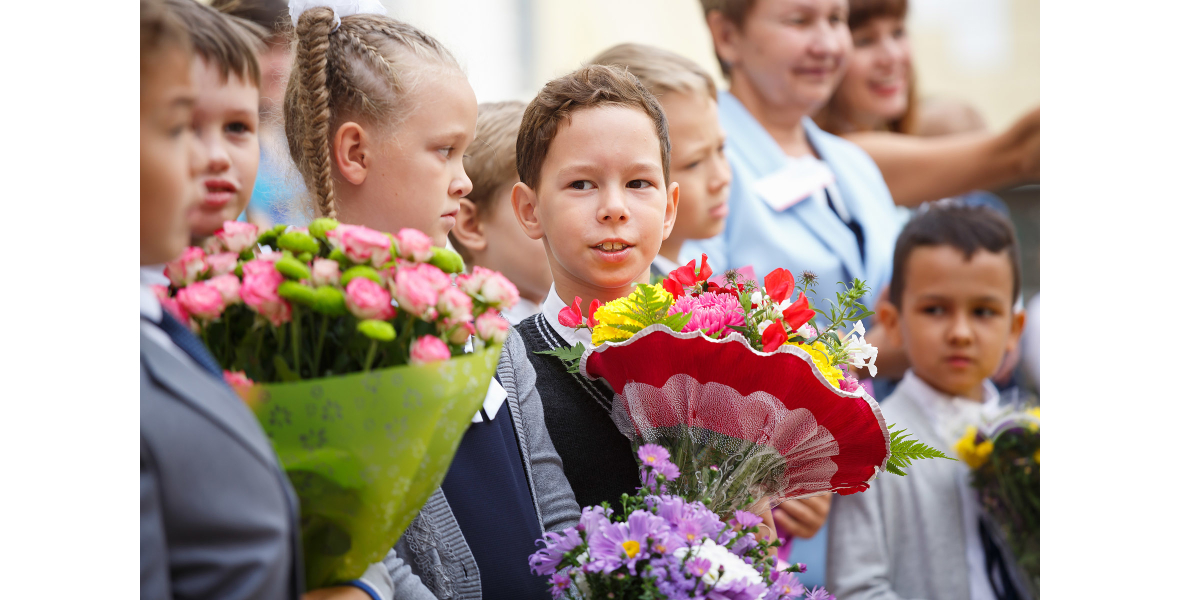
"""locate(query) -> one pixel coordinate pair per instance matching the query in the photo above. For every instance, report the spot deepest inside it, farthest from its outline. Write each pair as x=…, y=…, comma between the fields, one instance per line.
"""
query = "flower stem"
x=295, y=341
x=319, y=348
x=372, y=353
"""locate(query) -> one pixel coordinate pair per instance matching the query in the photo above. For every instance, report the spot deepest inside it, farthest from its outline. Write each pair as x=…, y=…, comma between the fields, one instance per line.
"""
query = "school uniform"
x=834, y=217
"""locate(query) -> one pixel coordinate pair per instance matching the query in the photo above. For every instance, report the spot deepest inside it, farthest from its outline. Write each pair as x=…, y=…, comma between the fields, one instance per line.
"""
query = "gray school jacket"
x=432, y=559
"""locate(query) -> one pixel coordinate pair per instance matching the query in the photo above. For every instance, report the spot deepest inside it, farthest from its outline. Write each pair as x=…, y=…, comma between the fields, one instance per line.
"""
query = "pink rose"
x=212, y=245
x=201, y=300
x=325, y=271
x=161, y=292
x=185, y=269
x=471, y=283
x=416, y=288
x=461, y=331
x=270, y=257
x=361, y=244
x=413, y=245
x=228, y=286
x=367, y=300
x=237, y=378
x=491, y=327
x=176, y=310
x=222, y=263
x=455, y=305
x=498, y=291
x=237, y=236
x=428, y=349
x=260, y=291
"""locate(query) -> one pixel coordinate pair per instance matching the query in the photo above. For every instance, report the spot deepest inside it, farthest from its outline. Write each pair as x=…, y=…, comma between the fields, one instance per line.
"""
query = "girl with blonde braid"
x=378, y=116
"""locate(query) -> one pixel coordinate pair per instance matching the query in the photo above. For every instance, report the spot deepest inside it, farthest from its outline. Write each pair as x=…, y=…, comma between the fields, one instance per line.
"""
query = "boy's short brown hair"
x=491, y=160
x=228, y=42
x=588, y=87
x=159, y=29
x=659, y=70
x=958, y=225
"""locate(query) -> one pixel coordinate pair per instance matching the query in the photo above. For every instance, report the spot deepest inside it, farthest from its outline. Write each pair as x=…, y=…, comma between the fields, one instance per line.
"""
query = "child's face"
x=417, y=176
x=225, y=120
x=520, y=258
x=698, y=164
x=602, y=206
x=169, y=157
x=956, y=319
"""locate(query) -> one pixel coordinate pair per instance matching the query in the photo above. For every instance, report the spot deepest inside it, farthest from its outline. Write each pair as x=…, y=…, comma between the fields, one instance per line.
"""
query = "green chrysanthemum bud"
x=340, y=257
x=270, y=236
x=381, y=331
x=320, y=227
x=291, y=268
x=297, y=292
x=298, y=242
x=329, y=301
x=360, y=271
x=446, y=259
x=306, y=257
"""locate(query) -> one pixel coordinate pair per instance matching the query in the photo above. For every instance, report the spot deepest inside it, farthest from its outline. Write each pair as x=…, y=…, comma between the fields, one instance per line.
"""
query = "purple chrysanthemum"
x=690, y=522
x=625, y=544
x=711, y=313
x=558, y=584
x=746, y=520
x=546, y=560
x=787, y=587
x=697, y=567
x=819, y=593
x=653, y=455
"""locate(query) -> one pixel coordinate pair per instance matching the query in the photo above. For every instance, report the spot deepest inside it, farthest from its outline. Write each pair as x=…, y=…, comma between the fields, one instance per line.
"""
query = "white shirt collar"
x=663, y=264
x=149, y=305
x=550, y=309
x=950, y=415
x=522, y=310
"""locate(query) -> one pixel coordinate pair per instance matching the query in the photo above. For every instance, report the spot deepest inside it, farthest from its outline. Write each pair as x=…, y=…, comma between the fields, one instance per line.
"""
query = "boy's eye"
x=638, y=184
x=446, y=152
x=692, y=165
x=933, y=310
x=580, y=184
x=237, y=127
x=984, y=311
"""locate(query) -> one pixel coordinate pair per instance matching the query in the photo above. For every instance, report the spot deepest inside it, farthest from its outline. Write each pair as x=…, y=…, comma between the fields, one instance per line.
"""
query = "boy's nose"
x=721, y=174
x=218, y=157
x=612, y=207
x=960, y=331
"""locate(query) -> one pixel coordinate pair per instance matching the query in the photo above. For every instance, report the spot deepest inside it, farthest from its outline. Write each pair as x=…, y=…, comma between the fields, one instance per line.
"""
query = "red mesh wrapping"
x=830, y=440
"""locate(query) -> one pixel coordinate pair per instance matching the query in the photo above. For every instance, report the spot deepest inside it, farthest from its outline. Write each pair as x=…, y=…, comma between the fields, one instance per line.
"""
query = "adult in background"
x=801, y=198
x=876, y=106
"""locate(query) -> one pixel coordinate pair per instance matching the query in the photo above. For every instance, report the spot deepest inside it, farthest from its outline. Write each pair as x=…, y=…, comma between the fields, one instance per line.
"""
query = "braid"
x=312, y=147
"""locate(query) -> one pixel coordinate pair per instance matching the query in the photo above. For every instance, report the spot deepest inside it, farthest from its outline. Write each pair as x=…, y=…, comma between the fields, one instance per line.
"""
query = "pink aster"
x=711, y=313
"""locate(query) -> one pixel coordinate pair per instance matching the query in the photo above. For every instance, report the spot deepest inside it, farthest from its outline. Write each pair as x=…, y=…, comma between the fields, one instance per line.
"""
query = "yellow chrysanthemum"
x=1035, y=413
x=1037, y=456
x=973, y=454
x=615, y=313
x=819, y=355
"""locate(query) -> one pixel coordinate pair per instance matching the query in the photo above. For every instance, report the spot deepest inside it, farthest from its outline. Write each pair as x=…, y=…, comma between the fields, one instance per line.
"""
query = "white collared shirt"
x=152, y=313
x=522, y=310
x=664, y=265
x=550, y=310
x=950, y=417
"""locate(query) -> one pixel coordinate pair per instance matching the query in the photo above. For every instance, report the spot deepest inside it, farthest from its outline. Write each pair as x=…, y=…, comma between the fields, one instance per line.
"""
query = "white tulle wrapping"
x=342, y=8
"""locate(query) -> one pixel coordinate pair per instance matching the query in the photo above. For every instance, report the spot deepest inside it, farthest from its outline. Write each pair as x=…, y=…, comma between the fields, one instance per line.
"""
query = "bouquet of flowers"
x=742, y=379
x=1005, y=460
x=364, y=400
x=663, y=546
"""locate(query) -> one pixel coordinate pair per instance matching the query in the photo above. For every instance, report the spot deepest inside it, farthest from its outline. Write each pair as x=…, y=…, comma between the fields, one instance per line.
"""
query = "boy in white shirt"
x=956, y=277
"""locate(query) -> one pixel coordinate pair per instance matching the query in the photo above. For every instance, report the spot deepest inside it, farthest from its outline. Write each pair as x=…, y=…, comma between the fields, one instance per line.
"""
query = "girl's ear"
x=352, y=152
x=524, y=204
x=670, y=210
x=468, y=231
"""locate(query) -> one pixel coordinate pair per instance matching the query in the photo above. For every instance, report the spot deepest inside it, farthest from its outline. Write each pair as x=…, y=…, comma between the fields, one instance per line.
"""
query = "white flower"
x=763, y=325
x=720, y=556
x=858, y=350
x=756, y=297
x=858, y=328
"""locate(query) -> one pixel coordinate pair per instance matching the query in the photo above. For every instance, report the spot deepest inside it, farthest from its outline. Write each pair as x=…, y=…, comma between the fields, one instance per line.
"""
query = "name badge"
x=790, y=185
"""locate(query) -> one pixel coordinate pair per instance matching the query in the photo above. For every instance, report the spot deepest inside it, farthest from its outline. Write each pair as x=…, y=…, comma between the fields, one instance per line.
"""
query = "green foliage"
x=360, y=271
x=298, y=242
x=571, y=357
x=904, y=450
x=320, y=227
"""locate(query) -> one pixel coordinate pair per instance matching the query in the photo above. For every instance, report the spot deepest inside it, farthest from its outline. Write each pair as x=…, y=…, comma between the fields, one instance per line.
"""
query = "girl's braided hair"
x=358, y=70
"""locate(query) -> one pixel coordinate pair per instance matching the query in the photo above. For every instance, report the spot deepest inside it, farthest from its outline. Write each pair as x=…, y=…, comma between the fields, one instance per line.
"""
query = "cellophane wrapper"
x=768, y=423
x=365, y=451
x=1009, y=486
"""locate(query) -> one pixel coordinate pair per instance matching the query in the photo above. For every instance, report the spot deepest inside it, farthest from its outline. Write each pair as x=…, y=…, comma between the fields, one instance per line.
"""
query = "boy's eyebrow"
x=582, y=167
x=983, y=298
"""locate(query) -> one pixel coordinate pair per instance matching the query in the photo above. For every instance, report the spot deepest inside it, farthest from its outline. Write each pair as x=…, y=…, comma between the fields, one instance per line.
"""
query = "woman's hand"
x=1021, y=144
x=803, y=518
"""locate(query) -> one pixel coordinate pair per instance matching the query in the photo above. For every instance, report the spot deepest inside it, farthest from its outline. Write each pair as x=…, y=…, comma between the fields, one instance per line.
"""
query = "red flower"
x=673, y=287
x=773, y=337
x=571, y=316
x=798, y=313
x=780, y=284
x=590, y=320
x=687, y=276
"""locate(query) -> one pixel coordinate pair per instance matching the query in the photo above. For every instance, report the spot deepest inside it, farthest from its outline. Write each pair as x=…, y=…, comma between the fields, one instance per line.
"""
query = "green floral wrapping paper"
x=365, y=451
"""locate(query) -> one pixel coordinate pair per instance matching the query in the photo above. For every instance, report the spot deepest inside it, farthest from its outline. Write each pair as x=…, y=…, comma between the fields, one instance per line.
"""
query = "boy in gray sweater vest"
x=956, y=278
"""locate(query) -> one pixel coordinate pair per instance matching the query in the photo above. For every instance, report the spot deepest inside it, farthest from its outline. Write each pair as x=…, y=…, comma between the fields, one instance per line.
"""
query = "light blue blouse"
x=807, y=235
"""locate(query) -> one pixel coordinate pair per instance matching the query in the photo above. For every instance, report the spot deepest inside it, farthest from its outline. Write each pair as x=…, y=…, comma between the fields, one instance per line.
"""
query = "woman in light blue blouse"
x=800, y=198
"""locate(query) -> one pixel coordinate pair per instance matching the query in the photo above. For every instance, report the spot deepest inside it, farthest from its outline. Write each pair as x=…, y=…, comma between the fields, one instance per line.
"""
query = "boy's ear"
x=889, y=317
x=468, y=231
x=352, y=152
x=724, y=33
x=524, y=205
x=670, y=211
x=1017, y=329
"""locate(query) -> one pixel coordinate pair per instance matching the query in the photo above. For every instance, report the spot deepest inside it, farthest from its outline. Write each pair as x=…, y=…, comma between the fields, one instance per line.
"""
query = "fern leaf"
x=677, y=322
x=570, y=357
x=904, y=450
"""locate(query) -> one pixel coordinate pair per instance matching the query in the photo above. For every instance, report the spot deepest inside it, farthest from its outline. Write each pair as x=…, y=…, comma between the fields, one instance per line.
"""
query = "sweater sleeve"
x=554, y=496
x=404, y=584
x=858, y=562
